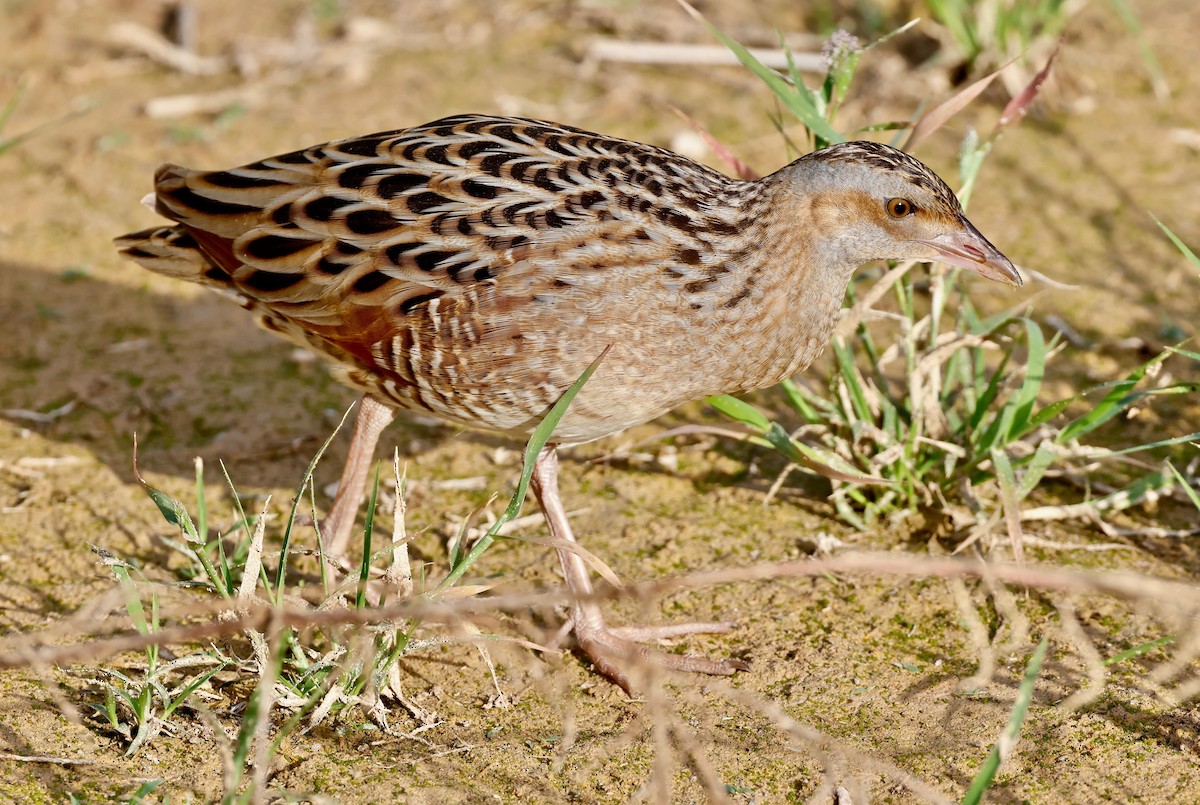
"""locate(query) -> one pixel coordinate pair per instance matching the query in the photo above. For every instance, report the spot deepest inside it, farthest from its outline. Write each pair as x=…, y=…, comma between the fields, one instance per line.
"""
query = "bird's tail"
x=169, y=250
x=176, y=250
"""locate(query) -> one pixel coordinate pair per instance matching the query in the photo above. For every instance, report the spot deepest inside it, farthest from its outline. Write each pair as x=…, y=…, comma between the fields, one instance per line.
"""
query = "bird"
x=473, y=267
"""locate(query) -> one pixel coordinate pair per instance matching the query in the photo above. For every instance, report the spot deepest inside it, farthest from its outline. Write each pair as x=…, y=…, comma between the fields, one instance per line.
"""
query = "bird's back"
x=471, y=267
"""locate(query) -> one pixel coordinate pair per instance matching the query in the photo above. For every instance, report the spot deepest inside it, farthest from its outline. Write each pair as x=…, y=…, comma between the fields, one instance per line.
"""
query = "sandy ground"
x=872, y=665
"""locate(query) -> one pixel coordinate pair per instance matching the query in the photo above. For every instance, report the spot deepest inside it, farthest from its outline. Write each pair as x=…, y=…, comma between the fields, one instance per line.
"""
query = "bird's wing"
x=392, y=220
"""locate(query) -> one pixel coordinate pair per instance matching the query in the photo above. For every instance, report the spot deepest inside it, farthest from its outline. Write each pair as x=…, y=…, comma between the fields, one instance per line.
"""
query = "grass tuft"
x=948, y=426
x=305, y=673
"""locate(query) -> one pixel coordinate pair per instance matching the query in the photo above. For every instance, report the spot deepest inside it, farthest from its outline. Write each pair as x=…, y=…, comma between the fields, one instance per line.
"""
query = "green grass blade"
x=853, y=380
x=817, y=100
x=201, y=505
x=217, y=576
x=1137, y=651
x=1116, y=401
x=543, y=432
x=172, y=510
x=1137, y=448
x=990, y=437
x=1035, y=368
x=1006, y=478
x=143, y=791
x=796, y=398
x=1186, y=352
x=893, y=423
x=796, y=99
x=133, y=601
x=741, y=411
x=176, y=514
x=902, y=29
x=1179, y=244
x=1046, y=414
x=1012, y=730
x=364, y=567
x=1187, y=488
x=541, y=435
x=983, y=405
x=256, y=709
x=1132, y=494
x=826, y=463
x=1035, y=469
x=989, y=325
x=285, y=545
x=811, y=406
x=189, y=689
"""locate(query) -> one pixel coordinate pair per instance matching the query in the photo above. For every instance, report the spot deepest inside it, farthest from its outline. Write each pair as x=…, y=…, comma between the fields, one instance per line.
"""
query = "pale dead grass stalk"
x=399, y=574
x=245, y=593
x=1093, y=663
x=1006, y=607
x=1162, y=595
x=977, y=632
x=475, y=620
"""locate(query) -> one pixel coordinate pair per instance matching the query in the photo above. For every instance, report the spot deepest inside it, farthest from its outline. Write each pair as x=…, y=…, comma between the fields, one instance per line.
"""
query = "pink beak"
x=970, y=250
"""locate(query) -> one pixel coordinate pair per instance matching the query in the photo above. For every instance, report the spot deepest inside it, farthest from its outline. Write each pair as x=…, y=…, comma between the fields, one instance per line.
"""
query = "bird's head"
x=878, y=203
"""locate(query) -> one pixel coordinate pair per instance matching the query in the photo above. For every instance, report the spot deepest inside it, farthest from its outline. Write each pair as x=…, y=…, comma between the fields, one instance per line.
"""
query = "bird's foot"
x=617, y=653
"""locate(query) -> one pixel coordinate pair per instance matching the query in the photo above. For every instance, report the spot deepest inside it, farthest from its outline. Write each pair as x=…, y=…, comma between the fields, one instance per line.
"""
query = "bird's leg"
x=604, y=646
x=373, y=417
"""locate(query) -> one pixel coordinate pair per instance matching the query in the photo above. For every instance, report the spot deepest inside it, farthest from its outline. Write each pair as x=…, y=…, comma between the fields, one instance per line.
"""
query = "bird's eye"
x=900, y=207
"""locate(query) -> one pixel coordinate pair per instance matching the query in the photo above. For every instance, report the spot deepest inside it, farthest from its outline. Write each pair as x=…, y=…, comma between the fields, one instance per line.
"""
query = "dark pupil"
x=899, y=207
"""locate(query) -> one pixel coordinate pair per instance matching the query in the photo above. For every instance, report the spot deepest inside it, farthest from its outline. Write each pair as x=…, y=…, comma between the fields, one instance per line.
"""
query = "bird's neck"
x=788, y=277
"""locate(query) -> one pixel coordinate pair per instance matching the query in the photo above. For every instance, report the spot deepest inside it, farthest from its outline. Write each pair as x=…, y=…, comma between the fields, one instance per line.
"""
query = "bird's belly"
x=508, y=379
